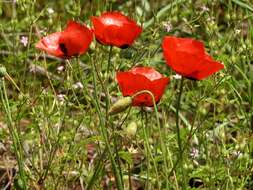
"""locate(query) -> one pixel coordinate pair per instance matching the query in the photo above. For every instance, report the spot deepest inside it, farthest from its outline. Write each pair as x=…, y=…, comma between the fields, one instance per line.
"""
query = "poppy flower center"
x=63, y=48
x=191, y=78
x=124, y=46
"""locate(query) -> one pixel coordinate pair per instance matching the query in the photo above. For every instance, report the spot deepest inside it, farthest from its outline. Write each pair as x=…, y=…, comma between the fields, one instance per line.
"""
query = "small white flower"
x=237, y=153
x=176, y=76
x=211, y=19
x=194, y=153
x=61, y=97
x=24, y=40
x=168, y=26
x=204, y=8
x=44, y=91
x=132, y=150
x=78, y=85
x=50, y=10
x=60, y=68
x=237, y=31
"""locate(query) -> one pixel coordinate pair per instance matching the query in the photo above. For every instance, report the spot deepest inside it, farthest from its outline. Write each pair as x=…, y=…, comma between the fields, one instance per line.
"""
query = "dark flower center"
x=99, y=41
x=124, y=46
x=191, y=78
x=63, y=48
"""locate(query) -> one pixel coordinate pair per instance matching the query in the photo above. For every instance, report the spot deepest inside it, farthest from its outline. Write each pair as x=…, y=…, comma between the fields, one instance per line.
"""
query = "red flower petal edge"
x=74, y=40
x=142, y=78
x=50, y=44
x=114, y=28
x=188, y=58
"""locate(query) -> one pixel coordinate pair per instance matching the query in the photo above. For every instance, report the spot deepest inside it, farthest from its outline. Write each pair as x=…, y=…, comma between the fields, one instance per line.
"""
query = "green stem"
x=107, y=81
x=162, y=12
x=107, y=109
x=147, y=150
x=103, y=126
x=14, y=134
x=109, y=61
x=177, y=117
x=179, y=141
x=98, y=167
x=163, y=146
x=13, y=82
x=100, y=162
x=54, y=149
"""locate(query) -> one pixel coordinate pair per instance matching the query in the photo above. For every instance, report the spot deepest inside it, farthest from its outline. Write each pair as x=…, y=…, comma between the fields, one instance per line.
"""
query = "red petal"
x=188, y=58
x=148, y=72
x=98, y=28
x=158, y=87
x=130, y=83
x=120, y=35
x=50, y=44
x=179, y=60
x=114, y=18
x=112, y=36
x=113, y=28
x=183, y=63
x=129, y=32
x=186, y=45
x=76, y=38
x=207, y=68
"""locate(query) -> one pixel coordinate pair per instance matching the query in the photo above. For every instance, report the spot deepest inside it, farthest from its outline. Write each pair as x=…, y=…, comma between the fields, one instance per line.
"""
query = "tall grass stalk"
x=162, y=143
x=103, y=127
x=17, y=145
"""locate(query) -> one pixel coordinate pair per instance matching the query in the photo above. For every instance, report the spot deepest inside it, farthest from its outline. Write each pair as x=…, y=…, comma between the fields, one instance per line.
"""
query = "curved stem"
x=163, y=147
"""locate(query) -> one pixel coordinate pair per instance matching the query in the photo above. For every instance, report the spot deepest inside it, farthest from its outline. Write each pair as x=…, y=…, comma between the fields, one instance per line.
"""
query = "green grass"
x=50, y=142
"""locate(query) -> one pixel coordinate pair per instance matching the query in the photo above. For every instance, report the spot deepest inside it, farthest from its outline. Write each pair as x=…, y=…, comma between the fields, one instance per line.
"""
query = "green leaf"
x=126, y=156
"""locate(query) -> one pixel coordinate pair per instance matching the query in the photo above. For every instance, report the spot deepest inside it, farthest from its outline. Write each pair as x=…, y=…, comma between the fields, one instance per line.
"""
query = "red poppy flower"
x=114, y=28
x=142, y=78
x=188, y=58
x=74, y=40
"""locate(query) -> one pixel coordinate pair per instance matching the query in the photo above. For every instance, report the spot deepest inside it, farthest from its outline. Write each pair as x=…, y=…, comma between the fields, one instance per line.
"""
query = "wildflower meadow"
x=126, y=94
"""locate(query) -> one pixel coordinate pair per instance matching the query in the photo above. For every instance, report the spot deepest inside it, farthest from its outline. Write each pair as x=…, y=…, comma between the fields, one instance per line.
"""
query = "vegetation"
x=55, y=130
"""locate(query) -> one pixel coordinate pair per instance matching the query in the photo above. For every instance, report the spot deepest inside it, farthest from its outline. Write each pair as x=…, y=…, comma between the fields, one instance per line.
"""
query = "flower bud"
x=3, y=71
x=131, y=129
x=121, y=105
x=19, y=183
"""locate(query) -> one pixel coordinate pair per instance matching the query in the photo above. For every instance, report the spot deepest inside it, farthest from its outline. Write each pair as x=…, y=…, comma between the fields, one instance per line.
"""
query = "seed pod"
x=131, y=129
x=19, y=184
x=121, y=105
